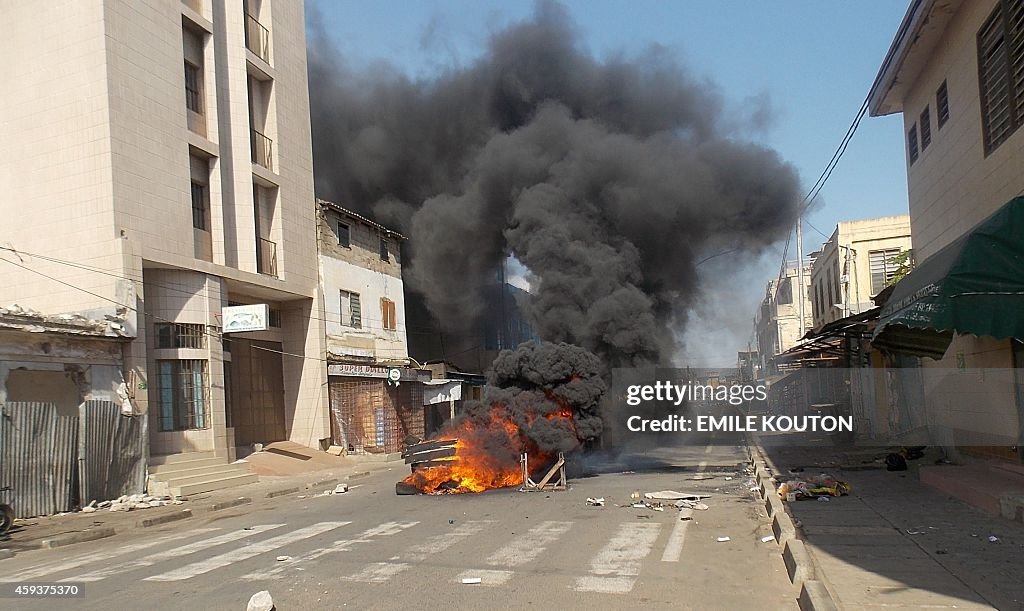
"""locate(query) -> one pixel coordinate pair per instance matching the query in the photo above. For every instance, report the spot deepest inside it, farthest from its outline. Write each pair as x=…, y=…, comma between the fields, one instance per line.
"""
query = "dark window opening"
x=180, y=335
x=384, y=250
x=942, y=105
x=1001, y=73
x=926, y=128
x=199, y=206
x=344, y=235
x=181, y=394
x=912, y=143
x=193, y=90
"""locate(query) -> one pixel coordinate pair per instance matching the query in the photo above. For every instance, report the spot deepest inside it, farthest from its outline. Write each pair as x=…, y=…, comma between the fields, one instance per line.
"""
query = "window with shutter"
x=1001, y=73
x=882, y=268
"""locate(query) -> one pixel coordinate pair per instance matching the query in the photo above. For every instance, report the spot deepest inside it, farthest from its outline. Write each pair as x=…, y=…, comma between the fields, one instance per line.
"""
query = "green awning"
x=975, y=285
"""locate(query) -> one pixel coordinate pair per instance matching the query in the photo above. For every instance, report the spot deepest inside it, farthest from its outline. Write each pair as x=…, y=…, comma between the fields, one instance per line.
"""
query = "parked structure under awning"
x=975, y=285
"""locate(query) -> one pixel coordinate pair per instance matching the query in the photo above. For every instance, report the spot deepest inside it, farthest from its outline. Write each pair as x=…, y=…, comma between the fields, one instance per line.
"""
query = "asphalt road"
x=372, y=549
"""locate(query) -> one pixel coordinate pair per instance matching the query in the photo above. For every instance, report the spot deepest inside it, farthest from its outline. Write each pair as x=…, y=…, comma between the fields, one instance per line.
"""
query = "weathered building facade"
x=376, y=398
x=954, y=72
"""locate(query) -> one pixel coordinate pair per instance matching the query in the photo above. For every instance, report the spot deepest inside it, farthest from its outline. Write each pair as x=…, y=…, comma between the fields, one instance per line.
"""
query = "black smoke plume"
x=610, y=180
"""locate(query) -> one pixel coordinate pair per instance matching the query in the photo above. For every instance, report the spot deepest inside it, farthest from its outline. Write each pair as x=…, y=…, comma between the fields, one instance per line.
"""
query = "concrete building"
x=953, y=72
x=777, y=322
x=855, y=264
x=376, y=397
x=157, y=152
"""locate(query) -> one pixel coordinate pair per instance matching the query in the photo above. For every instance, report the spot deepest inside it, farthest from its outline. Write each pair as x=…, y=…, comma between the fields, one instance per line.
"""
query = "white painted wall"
x=372, y=339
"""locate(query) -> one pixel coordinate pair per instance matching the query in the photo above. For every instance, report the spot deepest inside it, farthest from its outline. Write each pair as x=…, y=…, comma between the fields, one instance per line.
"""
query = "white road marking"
x=377, y=572
x=341, y=545
x=674, y=547
x=380, y=572
x=488, y=577
x=528, y=547
x=616, y=566
x=245, y=552
x=170, y=554
x=56, y=567
x=440, y=543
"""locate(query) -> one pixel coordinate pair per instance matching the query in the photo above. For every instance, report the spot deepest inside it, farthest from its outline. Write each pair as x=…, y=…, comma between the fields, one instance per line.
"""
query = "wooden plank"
x=429, y=456
x=427, y=446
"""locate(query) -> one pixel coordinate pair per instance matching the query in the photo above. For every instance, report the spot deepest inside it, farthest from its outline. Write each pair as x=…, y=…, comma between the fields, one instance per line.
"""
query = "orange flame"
x=487, y=455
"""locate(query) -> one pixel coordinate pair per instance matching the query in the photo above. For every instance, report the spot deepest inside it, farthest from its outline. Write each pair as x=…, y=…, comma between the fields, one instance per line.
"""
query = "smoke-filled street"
x=370, y=549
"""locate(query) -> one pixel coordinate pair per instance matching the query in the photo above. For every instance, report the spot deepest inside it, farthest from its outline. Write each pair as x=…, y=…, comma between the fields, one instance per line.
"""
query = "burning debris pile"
x=541, y=399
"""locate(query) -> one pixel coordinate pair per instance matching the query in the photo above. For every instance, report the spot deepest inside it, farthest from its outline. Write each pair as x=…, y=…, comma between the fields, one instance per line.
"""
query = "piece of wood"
x=429, y=455
x=428, y=445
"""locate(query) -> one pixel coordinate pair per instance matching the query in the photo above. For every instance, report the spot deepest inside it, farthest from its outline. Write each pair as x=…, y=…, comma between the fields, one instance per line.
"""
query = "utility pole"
x=799, y=293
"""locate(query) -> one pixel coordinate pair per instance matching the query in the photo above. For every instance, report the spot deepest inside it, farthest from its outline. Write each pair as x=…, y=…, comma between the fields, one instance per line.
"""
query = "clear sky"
x=813, y=60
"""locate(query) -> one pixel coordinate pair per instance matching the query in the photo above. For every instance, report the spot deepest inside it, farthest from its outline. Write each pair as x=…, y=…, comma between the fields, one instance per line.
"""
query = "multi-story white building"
x=157, y=152
x=777, y=322
x=855, y=264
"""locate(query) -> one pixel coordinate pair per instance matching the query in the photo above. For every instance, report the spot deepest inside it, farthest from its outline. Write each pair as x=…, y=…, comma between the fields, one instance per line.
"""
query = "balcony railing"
x=266, y=257
x=257, y=38
x=262, y=150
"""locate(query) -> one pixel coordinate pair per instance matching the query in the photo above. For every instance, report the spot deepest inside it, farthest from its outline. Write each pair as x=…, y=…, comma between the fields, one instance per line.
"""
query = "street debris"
x=822, y=485
x=701, y=476
x=767, y=538
x=595, y=502
x=824, y=499
x=283, y=558
x=471, y=580
x=341, y=489
x=672, y=495
x=134, y=501
x=993, y=539
x=260, y=601
x=723, y=539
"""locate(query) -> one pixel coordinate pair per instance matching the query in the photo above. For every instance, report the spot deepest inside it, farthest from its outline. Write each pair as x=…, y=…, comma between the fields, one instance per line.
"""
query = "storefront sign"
x=394, y=374
x=245, y=318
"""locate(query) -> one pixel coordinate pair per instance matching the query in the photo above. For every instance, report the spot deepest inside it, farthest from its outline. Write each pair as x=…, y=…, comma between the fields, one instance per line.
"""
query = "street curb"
x=283, y=491
x=327, y=482
x=77, y=537
x=814, y=596
x=799, y=561
x=243, y=500
x=6, y=553
x=358, y=474
x=164, y=519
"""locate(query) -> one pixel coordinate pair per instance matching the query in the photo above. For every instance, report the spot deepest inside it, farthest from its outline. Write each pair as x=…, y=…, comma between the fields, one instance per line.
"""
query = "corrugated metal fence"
x=38, y=449
x=45, y=458
x=111, y=452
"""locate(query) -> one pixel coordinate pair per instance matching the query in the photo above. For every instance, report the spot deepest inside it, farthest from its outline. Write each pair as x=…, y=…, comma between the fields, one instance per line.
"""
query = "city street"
x=369, y=548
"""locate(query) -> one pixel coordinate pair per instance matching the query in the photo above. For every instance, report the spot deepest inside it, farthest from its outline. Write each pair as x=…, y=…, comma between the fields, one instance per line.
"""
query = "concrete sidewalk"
x=79, y=527
x=896, y=542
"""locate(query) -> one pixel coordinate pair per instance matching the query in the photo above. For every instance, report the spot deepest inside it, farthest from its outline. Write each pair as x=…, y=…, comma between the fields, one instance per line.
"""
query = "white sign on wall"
x=253, y=317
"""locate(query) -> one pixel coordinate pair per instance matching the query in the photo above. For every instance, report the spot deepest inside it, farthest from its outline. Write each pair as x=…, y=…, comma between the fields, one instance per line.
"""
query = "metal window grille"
x=1001, y=72
x=942, y=105
x=180, y=335
x=182, y=394
x=344, y=235
x=912, y=143
x=274, y=318
x=882, y=267
x=925, y=122
x=199, y=206
x=351, y=310
x=193, y=91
